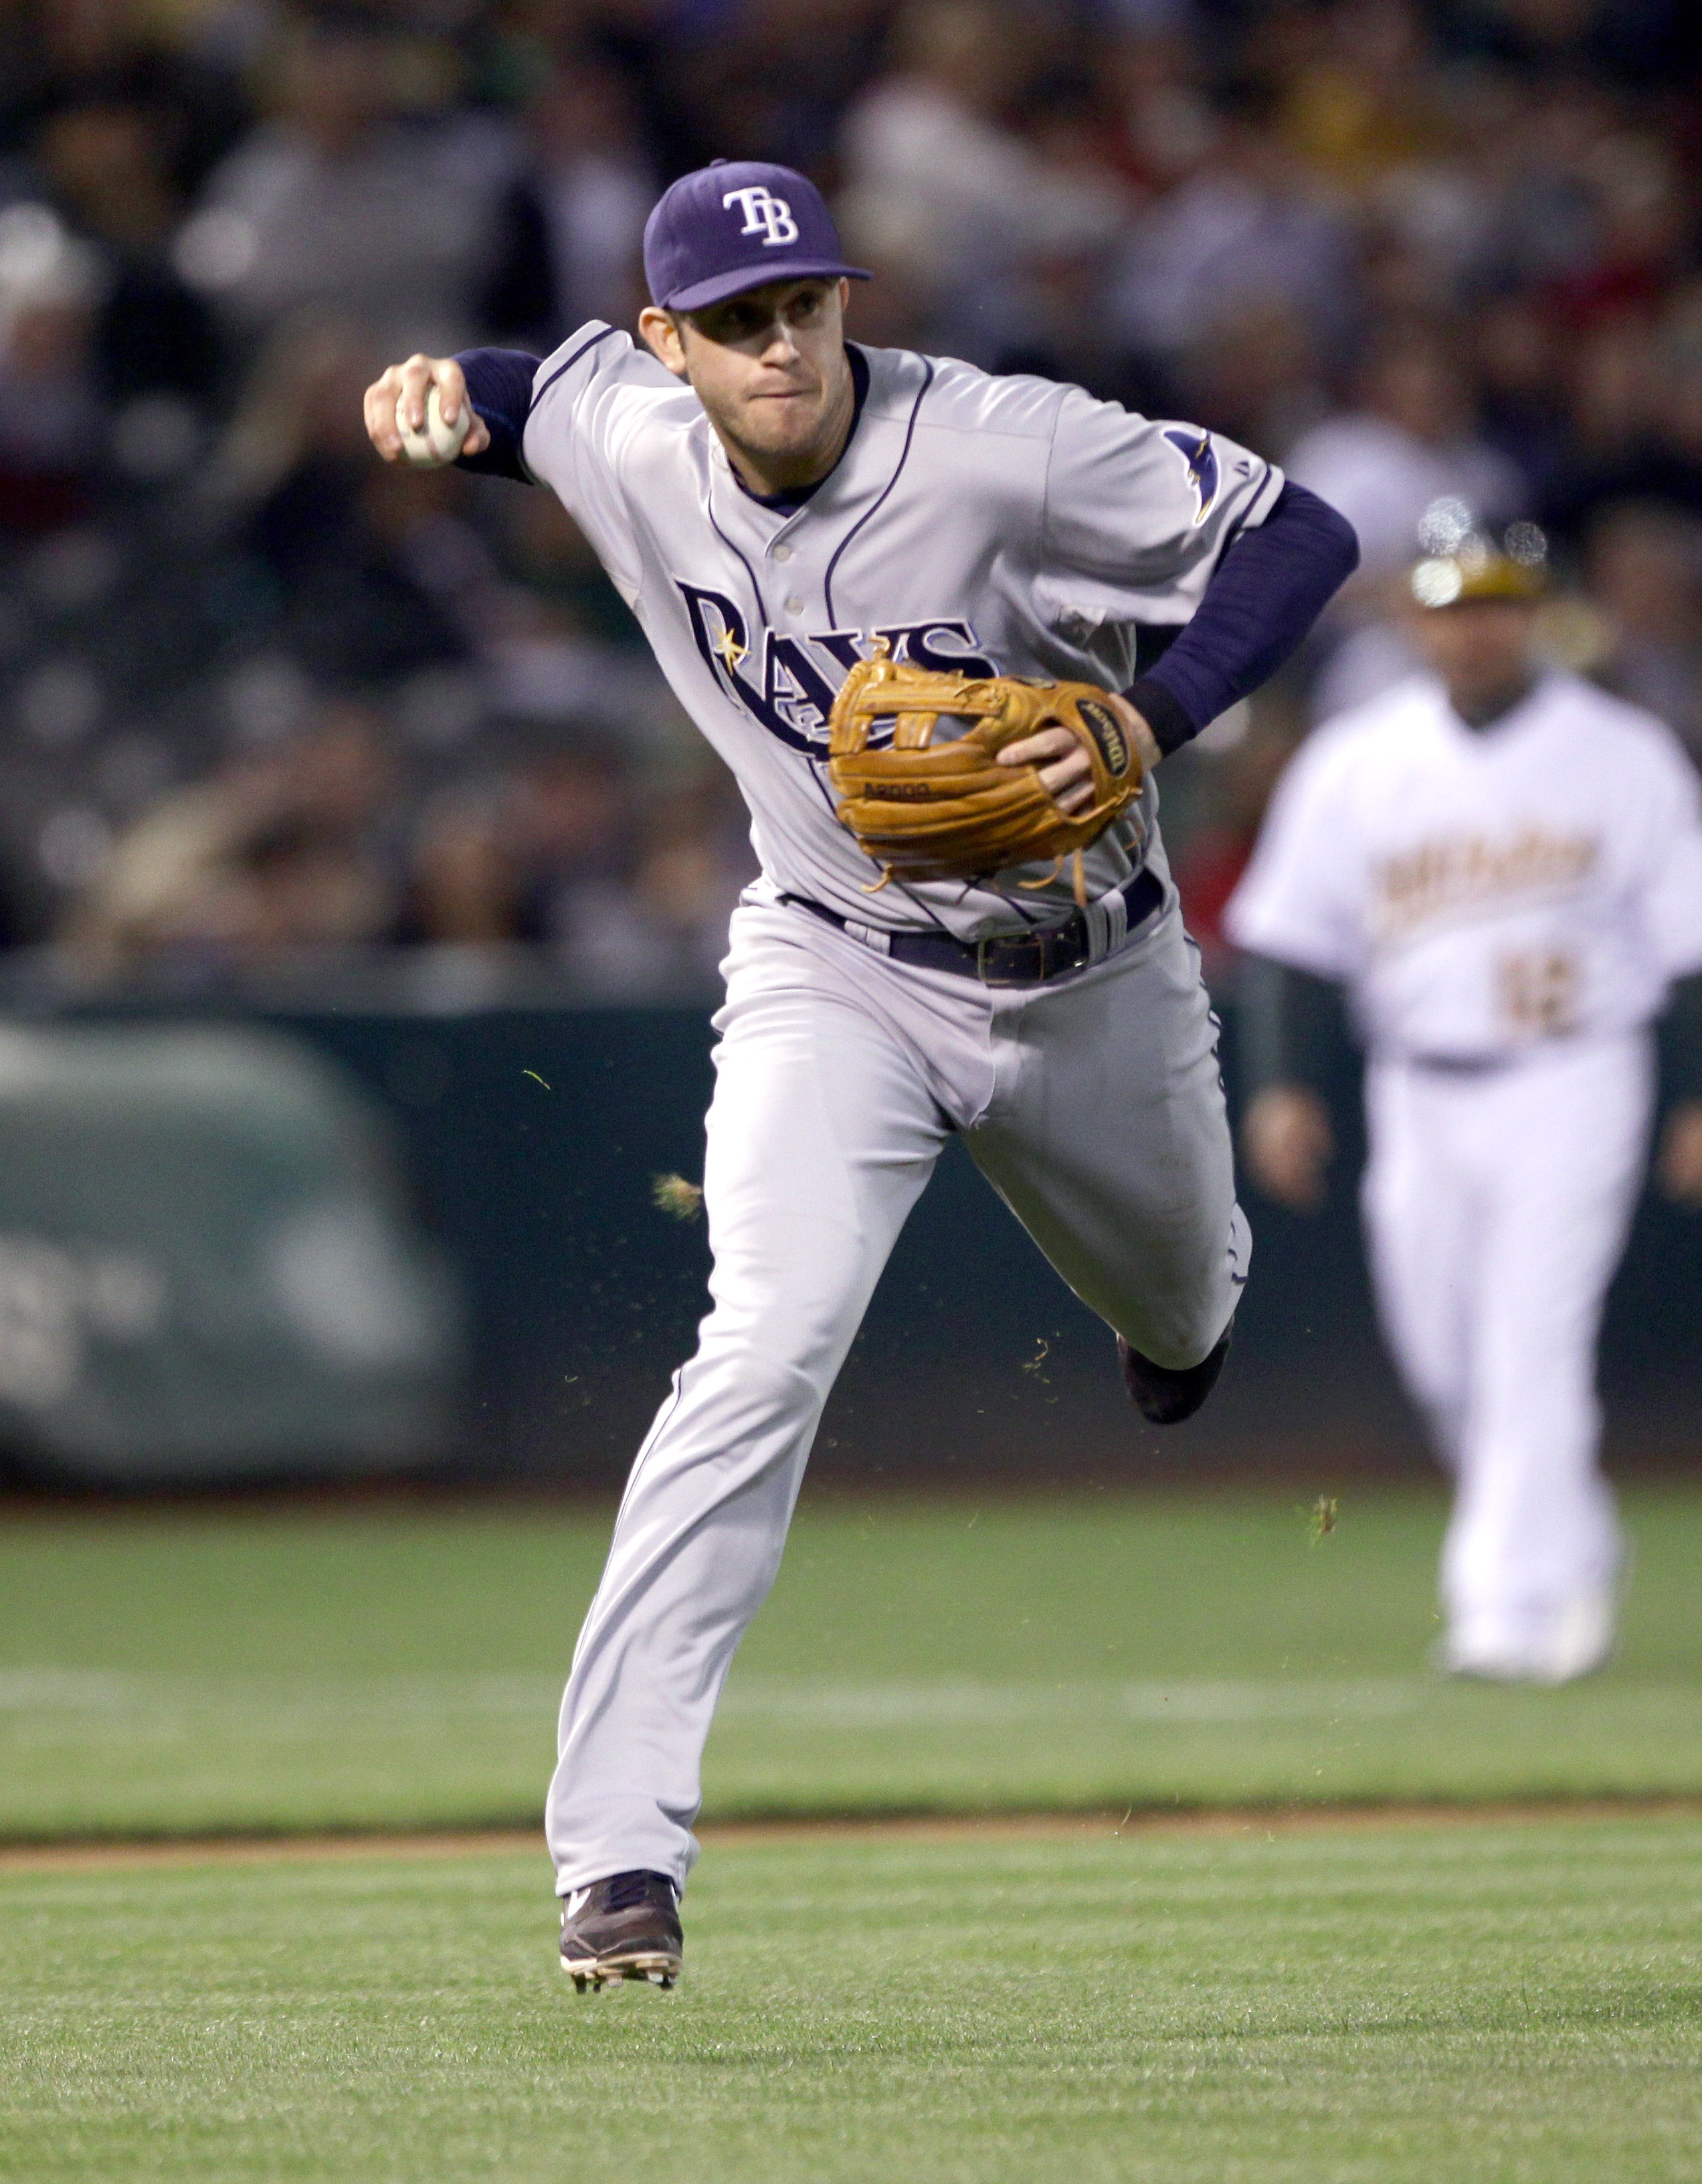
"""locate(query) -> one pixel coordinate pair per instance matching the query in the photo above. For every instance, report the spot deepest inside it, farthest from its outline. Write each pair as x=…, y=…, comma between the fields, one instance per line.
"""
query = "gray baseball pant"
x=1094, y=1108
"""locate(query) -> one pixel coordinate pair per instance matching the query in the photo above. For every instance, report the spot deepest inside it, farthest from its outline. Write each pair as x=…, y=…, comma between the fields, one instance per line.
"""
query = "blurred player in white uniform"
x=1503, y=866
x=776, y=505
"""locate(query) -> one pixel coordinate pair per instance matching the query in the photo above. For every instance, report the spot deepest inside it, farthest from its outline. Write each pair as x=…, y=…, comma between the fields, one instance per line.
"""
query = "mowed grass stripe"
x=1506, y=2005
x=242, y=1672
x=33, y=1696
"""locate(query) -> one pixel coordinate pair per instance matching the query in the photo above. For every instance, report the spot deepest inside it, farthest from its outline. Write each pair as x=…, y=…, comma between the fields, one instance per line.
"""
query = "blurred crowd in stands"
x=259, y=694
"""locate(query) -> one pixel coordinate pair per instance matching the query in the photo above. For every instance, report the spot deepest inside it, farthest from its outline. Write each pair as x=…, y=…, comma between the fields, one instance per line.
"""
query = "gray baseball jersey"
x=998, y=525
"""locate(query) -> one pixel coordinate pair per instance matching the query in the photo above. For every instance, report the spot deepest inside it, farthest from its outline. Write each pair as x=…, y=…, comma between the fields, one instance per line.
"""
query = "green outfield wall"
x=527, y=1139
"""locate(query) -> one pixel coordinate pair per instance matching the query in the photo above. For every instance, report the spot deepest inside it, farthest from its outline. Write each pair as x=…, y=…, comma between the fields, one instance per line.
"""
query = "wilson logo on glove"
x=1114, y=744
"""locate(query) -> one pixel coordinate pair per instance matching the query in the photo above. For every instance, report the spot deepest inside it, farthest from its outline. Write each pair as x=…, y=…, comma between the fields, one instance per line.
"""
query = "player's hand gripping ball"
x=438, y=444
x=927, y=811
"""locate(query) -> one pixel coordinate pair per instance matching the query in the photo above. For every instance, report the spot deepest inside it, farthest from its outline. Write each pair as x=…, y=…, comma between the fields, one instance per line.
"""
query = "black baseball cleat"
x=1163, y=1394
x=626, y=1927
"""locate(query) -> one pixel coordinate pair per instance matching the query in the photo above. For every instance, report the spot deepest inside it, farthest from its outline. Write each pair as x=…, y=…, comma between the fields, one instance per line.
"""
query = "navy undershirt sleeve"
x=1266, y=592
x=1284, y=1021
x=499, y=386
x=1681, y=1038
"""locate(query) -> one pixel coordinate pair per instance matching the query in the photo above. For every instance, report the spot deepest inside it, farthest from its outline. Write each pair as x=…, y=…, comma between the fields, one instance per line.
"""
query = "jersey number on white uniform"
x=1537, y=993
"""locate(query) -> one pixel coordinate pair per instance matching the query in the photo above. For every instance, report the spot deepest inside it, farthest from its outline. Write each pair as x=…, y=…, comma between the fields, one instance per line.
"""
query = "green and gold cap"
x=1463, y=561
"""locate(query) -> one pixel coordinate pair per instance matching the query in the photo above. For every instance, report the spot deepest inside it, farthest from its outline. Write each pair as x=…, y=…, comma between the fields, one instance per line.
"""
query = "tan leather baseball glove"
x=928, y=810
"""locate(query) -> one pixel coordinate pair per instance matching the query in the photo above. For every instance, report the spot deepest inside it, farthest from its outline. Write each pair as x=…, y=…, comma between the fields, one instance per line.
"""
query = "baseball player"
x=802, y=524
x=1504, y=866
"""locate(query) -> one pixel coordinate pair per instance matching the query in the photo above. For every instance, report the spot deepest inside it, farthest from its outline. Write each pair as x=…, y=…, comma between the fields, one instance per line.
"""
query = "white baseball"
x=438, y=444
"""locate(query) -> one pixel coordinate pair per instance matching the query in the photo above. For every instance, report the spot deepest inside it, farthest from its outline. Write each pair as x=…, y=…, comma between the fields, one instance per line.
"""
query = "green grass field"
x=1472, y=2004
x=171, y=1672
x=1463, y=2001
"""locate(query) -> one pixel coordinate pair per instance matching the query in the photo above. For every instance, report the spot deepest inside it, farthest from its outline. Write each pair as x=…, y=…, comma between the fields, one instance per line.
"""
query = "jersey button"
x=795, y=604
x=782, y=552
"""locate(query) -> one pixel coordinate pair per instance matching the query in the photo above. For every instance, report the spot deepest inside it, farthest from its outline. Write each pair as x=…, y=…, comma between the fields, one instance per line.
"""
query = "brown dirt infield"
x=944, y=1828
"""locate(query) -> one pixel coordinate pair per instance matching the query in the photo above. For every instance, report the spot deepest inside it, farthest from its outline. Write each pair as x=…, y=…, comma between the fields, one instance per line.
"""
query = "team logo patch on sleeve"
x=1198, y=452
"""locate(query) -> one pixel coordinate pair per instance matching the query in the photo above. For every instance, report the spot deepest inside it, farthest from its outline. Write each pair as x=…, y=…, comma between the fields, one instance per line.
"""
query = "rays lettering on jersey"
x=795, y=693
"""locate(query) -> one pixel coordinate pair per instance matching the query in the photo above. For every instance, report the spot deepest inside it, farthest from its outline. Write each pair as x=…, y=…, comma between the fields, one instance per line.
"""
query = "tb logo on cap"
x=767, y=215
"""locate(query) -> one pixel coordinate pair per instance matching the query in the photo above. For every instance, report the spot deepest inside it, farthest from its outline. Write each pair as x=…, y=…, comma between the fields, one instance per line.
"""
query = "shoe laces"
x=624, y=1892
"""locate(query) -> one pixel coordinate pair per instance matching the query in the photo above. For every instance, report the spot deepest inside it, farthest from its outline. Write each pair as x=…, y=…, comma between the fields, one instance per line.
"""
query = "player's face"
x=1481, y=649
x=768, y=366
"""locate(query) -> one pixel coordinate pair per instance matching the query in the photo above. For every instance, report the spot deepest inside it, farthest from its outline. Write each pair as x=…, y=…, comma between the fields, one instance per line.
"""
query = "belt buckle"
x=1033, y=944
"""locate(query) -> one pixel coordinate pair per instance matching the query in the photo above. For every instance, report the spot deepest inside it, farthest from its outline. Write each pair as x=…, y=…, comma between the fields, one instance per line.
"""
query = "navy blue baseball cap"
x=735, y=225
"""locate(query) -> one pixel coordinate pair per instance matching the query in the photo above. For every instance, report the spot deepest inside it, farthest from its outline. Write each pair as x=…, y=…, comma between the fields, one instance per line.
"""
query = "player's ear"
x=662, y=336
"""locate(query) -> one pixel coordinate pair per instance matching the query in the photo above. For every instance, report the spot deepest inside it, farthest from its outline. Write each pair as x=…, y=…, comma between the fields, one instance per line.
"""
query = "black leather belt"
x=1007, y=959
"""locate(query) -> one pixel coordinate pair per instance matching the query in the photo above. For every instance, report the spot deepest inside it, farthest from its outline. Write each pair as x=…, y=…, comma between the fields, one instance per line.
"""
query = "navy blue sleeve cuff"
x=1266, y=592
x=1163, y=713
x=499, y=386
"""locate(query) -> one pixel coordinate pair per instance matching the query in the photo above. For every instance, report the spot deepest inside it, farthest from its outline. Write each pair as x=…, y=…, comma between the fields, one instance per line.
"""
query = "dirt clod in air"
x=673, y=1194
